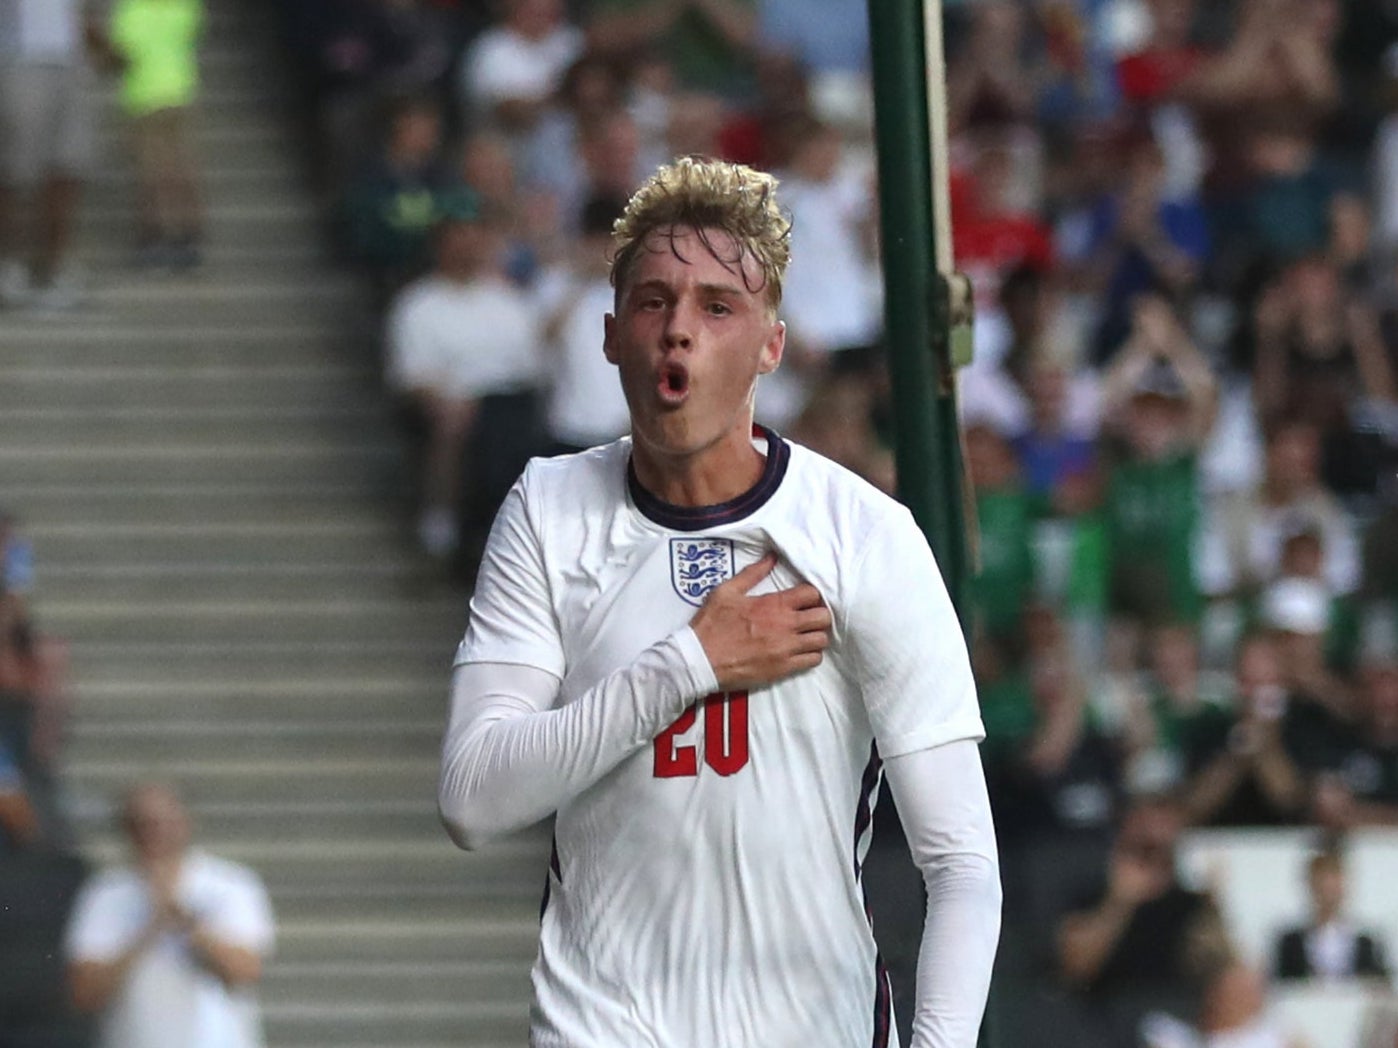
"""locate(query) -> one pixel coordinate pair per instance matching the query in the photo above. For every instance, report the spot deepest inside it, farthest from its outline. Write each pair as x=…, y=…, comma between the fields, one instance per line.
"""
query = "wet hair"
x=707, y=196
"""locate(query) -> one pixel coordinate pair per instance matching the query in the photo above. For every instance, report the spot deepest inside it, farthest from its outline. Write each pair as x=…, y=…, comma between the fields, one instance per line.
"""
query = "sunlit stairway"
x=210, y=472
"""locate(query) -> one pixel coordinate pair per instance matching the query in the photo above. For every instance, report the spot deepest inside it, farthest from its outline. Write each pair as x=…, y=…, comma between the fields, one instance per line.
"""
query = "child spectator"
x=1159, y=398
x=1328, y=946
x=157, y=45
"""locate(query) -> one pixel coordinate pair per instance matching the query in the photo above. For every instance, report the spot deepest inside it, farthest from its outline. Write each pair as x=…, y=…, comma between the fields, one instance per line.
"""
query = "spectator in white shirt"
x=513, y=68
x=463, y=349
x=168, y=950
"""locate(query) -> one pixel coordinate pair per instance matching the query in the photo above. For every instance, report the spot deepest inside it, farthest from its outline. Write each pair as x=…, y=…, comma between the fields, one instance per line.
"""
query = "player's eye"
x=720, y=309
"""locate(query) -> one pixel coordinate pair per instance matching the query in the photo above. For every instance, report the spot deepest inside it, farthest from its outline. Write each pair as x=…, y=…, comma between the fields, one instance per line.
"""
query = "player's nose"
x=679, y=327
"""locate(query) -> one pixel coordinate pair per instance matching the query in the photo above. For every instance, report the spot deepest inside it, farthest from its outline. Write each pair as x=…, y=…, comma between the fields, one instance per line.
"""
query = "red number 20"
x=725, y=738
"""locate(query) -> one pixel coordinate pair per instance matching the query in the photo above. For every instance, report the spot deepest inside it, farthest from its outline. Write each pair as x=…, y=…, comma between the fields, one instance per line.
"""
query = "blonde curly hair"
x=707, y=195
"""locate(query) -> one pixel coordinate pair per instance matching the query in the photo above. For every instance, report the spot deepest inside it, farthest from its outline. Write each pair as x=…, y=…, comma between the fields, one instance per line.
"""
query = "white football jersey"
x=706, y=892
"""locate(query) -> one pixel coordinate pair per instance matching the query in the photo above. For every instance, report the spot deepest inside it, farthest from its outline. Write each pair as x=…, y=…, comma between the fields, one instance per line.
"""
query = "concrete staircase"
x=209, y=470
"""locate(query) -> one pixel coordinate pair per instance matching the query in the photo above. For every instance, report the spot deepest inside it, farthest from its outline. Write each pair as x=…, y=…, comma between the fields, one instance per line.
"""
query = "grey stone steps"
x=331, y=696
x=96, y=387
x=263, y=662
x=453, y=903
x=74, y=345
x=507, y=929
x=181, y=425
x=400, y=581
x=348, y=540
x=382, y=1021
x=168, y=623
x=346, y=818
x=23, y=464
x=208, y=738
x=410, y=983
x=337, y=864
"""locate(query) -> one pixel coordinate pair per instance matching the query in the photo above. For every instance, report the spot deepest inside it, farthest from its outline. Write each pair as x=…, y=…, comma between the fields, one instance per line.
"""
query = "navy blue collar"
x=697, y=518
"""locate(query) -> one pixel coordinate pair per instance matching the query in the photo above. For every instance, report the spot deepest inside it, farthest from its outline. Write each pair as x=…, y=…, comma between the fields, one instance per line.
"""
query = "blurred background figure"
x=169, y=950
x=155, y=44
x=464, y=352
x=48, y=132
x=585, y=403
x=1327, y=946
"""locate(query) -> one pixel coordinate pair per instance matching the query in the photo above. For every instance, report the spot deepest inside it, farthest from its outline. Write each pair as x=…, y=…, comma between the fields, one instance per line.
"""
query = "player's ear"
x=772, y=349
x=609, y=337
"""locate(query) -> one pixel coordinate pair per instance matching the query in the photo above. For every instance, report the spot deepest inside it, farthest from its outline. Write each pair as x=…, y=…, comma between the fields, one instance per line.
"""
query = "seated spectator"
x=1261, y=101
x=19, y=825
x=1159, y=398
x=710, y=43
x=585, y=402
x=1050, y=771
x=463, y=349
x=548, y=158
x=1151, y=74
x=355, y=55
x=991, y=80
x=1231, y=1015
x=1138, y=932
x=1248, y=769
x=1301, y=613
x=1242, y=547
x=394, y=203
x=839, y=423
x=528, y=219
x=511, y=70
x=1059, y=461
x=834, y=48
x=1319, y=357
x=830, y=297
x=1135, y=240
x=1327, y=946
x=1178, y=704
x=170, y=949
x=1360, y=787
x=995, y=232
x=1004, y=585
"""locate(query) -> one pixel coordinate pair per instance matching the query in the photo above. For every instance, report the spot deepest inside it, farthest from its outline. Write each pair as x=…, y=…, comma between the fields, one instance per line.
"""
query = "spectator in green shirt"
x=1160, y=396
x=156, y=43
x=1004, y=583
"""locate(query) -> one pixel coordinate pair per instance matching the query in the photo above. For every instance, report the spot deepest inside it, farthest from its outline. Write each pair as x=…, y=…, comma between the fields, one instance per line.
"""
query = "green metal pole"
x=917, y=321
x=917, y=313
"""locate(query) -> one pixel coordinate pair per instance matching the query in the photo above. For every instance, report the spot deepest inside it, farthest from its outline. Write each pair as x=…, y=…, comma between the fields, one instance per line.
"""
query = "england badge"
x=698, y=565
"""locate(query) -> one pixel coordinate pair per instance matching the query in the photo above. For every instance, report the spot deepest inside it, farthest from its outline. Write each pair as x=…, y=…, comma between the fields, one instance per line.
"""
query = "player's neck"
x=714, y=475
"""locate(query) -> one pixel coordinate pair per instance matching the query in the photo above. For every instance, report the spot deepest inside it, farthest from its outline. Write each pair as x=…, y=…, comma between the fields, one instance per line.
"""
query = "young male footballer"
x=702, y=647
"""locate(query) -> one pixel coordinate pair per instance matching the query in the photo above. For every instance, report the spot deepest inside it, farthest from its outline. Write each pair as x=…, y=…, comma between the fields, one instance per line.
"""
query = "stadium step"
x=211, y=472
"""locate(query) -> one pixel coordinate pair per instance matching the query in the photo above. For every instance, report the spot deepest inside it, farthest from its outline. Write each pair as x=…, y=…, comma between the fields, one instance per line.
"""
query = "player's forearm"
x=509, y=760
x=942, y=800
x=959, y=937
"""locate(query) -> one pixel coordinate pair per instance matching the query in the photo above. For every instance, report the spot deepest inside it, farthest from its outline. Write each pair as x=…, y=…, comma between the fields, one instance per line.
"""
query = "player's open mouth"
x=674, y=383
